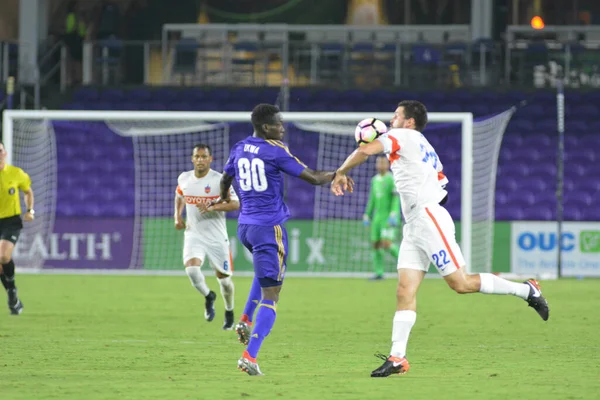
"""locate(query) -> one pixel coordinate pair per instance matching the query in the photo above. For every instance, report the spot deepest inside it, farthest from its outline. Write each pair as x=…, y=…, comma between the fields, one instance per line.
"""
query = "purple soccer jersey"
x=258, y=166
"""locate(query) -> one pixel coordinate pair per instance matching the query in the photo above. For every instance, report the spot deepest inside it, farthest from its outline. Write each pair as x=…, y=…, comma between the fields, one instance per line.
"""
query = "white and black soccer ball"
x=368, y=130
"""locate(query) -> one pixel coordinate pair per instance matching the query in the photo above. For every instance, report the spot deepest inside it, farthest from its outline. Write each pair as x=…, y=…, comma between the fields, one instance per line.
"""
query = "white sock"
x=197, y=279
x=403, y=323
x=492, y=284
x=227, y=291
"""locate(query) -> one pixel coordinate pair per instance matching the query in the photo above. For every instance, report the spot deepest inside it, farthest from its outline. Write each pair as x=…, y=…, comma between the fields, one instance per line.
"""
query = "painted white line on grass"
x=292, y=274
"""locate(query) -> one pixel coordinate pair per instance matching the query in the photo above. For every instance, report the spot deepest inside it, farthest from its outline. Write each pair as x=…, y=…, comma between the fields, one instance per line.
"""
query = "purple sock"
x=265, y=318
x=252, y=302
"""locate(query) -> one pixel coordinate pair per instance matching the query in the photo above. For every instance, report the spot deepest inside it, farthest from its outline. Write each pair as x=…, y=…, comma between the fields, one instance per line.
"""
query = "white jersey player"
x=428, y=234
x=205, y=237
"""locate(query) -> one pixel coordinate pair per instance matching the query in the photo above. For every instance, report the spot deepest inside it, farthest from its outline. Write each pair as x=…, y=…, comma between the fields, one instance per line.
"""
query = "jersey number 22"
x=252, y=175
x=429, y=156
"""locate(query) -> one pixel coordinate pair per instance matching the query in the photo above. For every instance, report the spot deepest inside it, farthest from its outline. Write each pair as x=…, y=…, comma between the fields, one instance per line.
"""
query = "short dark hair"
x=415, y=109
x=203, y=146
x=263, y=114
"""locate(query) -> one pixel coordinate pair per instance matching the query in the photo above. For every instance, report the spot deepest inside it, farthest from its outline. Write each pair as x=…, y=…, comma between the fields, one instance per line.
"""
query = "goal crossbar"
x=465, y=119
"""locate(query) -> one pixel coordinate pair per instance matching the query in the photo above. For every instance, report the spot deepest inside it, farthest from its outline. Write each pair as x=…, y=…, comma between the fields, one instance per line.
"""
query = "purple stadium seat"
x=591, y=214
x=539, y=213
x=139, y=95
x=165, y=95
x=576, y=126
x=536, y=111
x=511, y=141
x=522, y=126
x=112, y=95
x=573, y=214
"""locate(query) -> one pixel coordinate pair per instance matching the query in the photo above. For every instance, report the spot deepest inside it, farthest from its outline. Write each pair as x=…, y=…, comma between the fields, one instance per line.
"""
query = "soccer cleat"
x=209, y=306
x=535, y=299
x=392, y=365
x=245, y=364
x=243, y=331
x=228, y=325
x=14, y=304
x=376, y=278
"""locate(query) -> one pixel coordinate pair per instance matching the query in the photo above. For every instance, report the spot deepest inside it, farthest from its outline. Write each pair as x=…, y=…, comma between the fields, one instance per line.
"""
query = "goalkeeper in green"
x=383, y=215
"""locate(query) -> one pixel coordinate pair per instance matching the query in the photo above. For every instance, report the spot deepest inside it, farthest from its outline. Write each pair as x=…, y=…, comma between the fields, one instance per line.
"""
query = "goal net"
x=105, y=181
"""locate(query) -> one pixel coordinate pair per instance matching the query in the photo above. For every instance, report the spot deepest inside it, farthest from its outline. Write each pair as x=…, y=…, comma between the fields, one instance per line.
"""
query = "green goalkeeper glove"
x=393, y=220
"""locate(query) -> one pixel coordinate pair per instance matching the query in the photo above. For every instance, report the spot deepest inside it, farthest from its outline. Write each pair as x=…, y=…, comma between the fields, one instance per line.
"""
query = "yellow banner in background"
x=366, y=12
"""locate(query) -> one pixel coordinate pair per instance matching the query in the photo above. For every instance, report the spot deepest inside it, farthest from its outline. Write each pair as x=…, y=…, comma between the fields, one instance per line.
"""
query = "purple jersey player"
x=257, y=163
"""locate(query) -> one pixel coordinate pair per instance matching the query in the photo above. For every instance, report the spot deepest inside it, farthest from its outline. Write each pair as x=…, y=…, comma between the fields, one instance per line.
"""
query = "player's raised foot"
x=376, y=277
x=209, y=305
x=229, y=322
x=243, y=331
x=391, y=366
x=536, y=300
x=248, y=365
x=14, y=304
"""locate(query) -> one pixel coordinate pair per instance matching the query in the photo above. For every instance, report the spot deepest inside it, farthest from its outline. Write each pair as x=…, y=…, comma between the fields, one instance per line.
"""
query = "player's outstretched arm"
x=360, y=155
x=340, y=182
x=321, y=177
x=316, y=177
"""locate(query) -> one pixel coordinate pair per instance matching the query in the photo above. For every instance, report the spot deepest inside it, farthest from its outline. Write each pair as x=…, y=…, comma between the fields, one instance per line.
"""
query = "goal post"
x=168, y=123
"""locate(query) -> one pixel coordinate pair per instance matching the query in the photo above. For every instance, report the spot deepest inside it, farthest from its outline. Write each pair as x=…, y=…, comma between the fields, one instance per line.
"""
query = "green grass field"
x=129, y=337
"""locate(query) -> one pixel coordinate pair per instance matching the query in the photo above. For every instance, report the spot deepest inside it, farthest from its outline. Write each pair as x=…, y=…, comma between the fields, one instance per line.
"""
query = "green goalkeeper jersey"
x=383, y=198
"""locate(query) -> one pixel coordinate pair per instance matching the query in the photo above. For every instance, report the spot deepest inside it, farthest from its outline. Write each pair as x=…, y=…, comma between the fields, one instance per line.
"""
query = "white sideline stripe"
x=144, y=272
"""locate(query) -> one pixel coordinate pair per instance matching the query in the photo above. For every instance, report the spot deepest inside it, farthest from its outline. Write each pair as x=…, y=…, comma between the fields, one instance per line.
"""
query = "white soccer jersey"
x=416, y=168
x=194, y=190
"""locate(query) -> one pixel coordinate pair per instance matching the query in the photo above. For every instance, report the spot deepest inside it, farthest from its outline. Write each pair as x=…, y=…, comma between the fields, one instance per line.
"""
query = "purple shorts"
x=269, y=248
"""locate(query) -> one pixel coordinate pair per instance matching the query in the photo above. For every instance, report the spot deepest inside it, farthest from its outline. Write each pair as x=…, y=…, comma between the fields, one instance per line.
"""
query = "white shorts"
x=216, y=252
x=430, y=238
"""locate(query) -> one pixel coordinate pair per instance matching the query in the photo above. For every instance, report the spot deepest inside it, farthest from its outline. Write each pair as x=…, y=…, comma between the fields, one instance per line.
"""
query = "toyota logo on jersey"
x=200, y=199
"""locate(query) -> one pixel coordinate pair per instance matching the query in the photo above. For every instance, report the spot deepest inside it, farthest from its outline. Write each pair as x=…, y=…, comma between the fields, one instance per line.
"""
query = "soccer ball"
x=368, y=130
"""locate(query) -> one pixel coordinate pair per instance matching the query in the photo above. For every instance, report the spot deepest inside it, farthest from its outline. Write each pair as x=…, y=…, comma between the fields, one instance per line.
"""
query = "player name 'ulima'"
x=249, y=148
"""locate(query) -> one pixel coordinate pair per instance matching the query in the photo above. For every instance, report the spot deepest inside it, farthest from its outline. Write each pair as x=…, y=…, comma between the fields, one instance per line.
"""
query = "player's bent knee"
x=271, y=293
x=193, y=262
x=461, y=289
x=461, y=286
x=462, y=283
x=221, y=275
x=405, y=292
x=4, y=259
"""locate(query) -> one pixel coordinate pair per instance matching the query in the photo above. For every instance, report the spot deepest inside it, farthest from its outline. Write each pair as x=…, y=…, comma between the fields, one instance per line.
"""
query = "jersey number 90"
x=252, y=175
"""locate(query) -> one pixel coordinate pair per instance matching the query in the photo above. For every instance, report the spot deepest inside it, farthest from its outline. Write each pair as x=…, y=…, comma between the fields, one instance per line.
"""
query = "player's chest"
x=200, y=191
x=8, y=185
x=384, y=188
